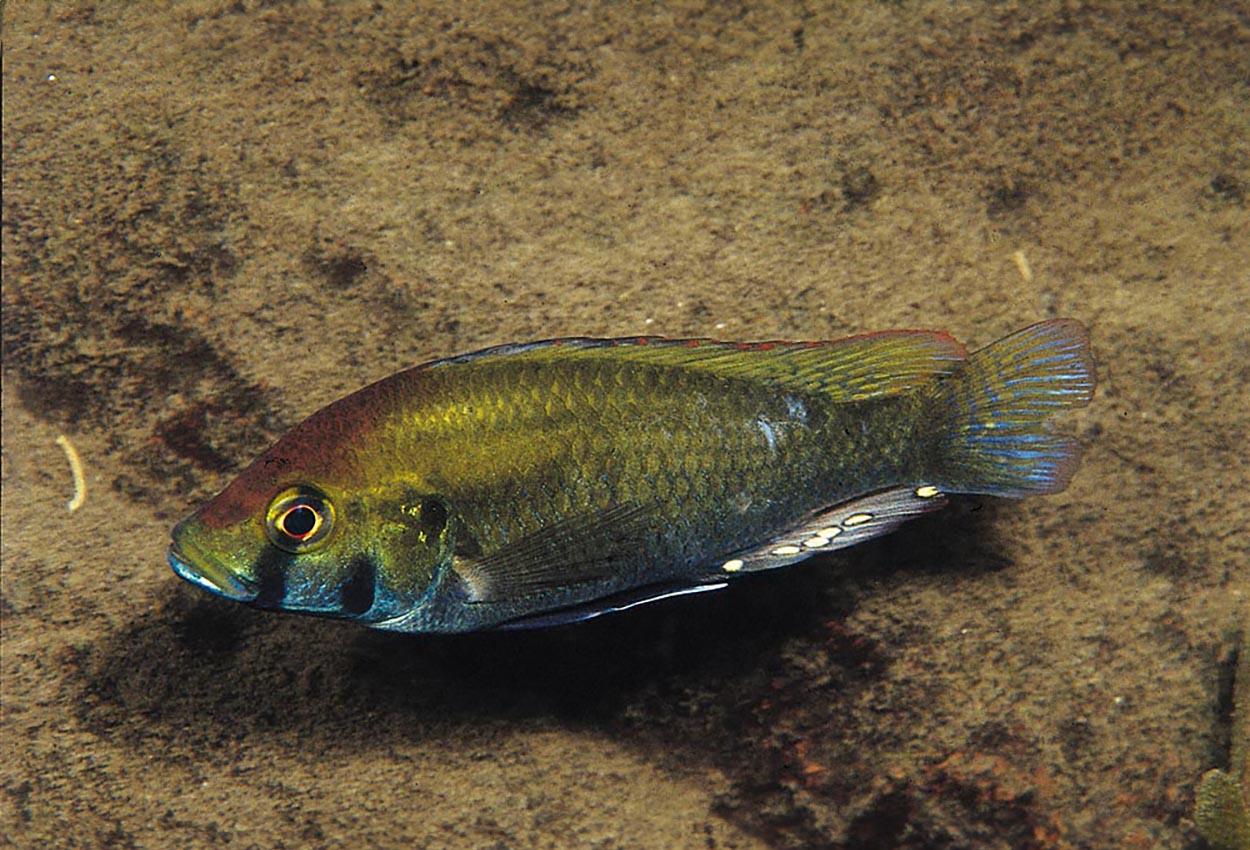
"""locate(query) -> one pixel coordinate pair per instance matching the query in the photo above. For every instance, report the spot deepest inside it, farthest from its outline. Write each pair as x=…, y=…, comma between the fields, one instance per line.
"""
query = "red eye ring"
x=299, y=522
x=299, y=519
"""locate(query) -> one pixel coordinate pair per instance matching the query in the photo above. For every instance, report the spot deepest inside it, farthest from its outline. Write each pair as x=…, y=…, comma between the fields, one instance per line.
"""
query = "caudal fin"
x=999, y=442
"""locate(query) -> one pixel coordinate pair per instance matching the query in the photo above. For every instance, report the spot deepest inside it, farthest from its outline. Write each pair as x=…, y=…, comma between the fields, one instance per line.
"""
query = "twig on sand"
x=75, y=468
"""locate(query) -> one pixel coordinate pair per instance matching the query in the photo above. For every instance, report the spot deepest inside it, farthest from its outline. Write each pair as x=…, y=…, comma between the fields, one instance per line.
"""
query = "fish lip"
x=205, y=573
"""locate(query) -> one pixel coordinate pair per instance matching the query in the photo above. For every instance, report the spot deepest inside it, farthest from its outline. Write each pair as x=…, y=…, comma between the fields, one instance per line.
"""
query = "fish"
x=545, y=483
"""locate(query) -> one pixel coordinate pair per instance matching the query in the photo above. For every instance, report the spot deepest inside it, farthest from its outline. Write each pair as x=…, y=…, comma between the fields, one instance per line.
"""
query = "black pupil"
x=299, y=521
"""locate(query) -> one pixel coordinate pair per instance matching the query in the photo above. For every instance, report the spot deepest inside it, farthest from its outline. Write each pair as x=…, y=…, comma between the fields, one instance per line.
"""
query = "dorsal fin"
x=850, y=369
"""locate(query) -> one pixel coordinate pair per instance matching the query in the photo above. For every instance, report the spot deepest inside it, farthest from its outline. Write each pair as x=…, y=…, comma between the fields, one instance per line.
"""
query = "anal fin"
x=842, y=525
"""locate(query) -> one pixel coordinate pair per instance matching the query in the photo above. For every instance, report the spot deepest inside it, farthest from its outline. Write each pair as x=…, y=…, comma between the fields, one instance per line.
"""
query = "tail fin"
x=999, y=443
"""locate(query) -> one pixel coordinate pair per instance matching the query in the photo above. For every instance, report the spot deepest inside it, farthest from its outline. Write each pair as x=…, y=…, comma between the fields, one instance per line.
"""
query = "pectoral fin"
x=586, y=547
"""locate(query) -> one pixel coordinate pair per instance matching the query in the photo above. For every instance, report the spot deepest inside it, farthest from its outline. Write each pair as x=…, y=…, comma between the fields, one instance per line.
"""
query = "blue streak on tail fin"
x=999, y=441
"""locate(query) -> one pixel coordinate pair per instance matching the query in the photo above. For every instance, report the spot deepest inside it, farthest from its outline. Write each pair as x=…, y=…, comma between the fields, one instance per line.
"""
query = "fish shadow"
x=208, y=676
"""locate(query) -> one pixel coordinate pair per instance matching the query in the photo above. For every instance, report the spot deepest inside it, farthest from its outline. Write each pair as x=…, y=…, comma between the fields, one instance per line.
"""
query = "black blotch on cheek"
x=270, y=571
x=433, y=516
x=356, y=595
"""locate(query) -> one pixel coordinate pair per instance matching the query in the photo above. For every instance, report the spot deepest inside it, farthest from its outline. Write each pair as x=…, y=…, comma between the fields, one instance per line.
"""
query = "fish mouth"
x=208, y=574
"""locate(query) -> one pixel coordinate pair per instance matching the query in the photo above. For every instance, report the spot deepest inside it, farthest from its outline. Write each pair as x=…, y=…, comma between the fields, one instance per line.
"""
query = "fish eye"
x=299, y=519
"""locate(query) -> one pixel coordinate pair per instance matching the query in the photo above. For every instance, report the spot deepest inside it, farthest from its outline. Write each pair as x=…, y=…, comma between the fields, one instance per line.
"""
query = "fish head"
x=308, y=542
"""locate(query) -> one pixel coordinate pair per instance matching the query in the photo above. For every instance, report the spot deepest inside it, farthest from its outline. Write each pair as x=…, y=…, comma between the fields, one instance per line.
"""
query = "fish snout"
x=207, y=572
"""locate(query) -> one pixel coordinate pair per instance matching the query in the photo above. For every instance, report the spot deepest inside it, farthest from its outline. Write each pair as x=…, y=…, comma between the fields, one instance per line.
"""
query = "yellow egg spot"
x=830, y=532
x=732, y=566
x=857, y=519
x=787, y=550
x=816, y=542
x=926, y=492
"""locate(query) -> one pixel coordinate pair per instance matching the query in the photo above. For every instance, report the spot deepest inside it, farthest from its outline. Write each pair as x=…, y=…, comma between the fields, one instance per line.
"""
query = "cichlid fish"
x=537, y=484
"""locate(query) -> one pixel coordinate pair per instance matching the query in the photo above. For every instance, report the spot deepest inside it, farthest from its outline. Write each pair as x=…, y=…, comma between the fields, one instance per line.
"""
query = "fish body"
x=544, y=483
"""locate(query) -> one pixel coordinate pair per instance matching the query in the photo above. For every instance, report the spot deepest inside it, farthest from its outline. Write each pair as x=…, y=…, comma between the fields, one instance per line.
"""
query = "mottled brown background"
x=219, y=216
